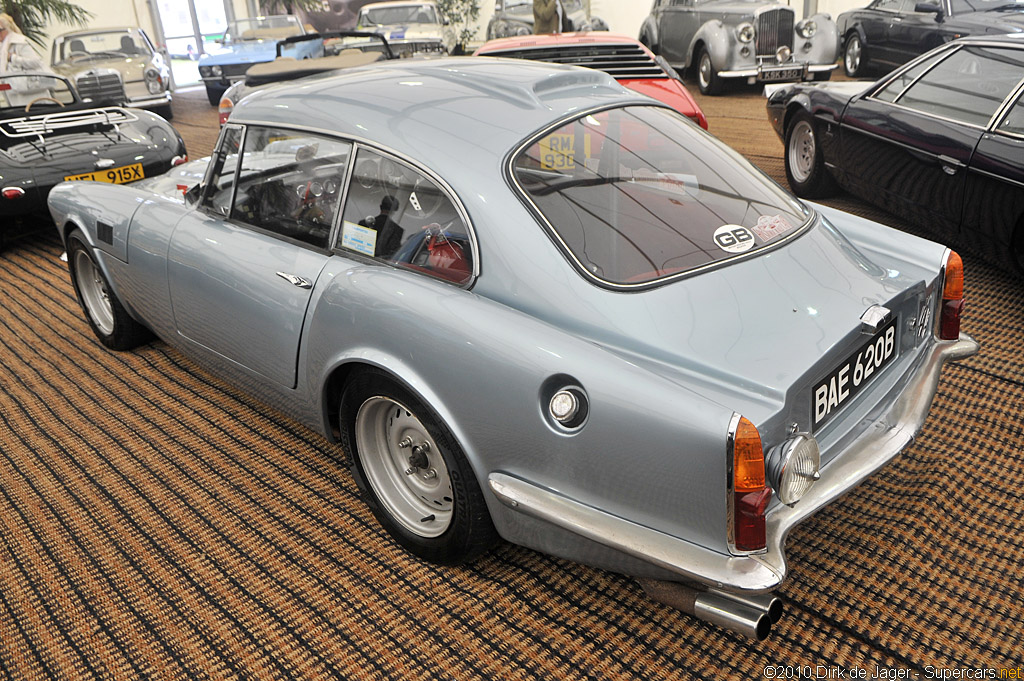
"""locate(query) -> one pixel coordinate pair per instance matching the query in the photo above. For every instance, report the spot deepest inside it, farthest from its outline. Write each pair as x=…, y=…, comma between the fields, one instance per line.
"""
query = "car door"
x=994, y=201
x=908, y=143
x=877, y=25
x=242, y=267
x=914, y=33
x=676, y=26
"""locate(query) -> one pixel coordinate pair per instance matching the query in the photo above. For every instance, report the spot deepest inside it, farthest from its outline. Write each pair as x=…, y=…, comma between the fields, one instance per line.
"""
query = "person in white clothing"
x=16, y=53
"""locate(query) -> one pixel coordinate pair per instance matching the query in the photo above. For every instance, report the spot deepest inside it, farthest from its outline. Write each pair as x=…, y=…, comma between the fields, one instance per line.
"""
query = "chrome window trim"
x=208, y=176
x=952, y=47
x=398, y=156
x=1000, y=110
x=510, y=178
x=1016, y=97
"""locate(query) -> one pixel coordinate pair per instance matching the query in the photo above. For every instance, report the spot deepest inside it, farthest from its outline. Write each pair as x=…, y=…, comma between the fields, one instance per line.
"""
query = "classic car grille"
x=40, y=125
x=106, y=87
x=774, y=29
x=617, y=60
x=229, y=70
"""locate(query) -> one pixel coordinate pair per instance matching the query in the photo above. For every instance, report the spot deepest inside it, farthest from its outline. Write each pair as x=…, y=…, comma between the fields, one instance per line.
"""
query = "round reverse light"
x=783, y=54
x=792, y=467
x=745, y=32
x=564, y=406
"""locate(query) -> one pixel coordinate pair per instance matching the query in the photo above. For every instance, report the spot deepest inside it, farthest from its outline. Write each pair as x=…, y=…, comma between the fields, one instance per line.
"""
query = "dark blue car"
x=939, y=142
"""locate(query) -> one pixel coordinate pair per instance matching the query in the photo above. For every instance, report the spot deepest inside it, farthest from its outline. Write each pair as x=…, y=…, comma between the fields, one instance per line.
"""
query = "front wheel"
x=109, y=320
x=853, y=57
x=805, y=167
x=707, y=78
x=214, y=93
x=413, y=475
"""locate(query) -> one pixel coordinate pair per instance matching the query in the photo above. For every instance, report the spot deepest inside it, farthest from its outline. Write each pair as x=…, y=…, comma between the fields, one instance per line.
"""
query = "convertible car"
x=116, y=64
x=532, y=304
x=625, y=58
x=939, y=142
x=48, y=135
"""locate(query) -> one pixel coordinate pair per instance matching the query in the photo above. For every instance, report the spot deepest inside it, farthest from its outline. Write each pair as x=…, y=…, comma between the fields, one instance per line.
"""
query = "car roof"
x=431, y=108
x=553, y=39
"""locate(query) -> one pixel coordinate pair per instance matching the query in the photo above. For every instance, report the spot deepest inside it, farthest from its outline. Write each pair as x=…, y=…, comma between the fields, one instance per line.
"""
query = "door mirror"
x=193, y=194
x=929, y=8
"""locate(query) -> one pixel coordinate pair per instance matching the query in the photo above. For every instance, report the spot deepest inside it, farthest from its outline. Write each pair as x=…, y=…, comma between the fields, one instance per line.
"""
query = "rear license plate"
x=788, y=73
x=113, y=175
x=838, y=388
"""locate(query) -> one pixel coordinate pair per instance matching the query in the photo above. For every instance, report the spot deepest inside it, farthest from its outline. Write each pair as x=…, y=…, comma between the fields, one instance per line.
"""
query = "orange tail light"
x=750, y=495
x=952, y=298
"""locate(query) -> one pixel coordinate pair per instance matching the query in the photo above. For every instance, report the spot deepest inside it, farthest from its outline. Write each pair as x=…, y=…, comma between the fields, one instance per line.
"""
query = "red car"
x=624, y=58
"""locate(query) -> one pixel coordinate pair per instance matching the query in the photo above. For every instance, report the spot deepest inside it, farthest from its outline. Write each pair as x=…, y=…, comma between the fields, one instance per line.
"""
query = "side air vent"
x=105, y=232
x=619, y=60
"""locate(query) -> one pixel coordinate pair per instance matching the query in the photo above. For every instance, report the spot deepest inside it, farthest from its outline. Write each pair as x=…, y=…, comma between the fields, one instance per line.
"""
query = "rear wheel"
x=1017, y=248
x=854, y=62
x=413, y=474
x=109, y=320
x=707, y=78
x=805, y=167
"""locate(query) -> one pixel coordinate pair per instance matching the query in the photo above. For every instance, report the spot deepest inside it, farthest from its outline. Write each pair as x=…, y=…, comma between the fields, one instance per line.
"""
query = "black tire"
x=111, y=323
x=455, y=526
x=214, y=93
x=165, y=111
x=855, y=61
x=805, y=166
x=707, y=78
x=822, y=76
x=1017, y=249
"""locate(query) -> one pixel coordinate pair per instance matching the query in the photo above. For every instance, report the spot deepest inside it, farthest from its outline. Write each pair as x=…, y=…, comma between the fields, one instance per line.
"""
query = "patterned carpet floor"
x=155, y=522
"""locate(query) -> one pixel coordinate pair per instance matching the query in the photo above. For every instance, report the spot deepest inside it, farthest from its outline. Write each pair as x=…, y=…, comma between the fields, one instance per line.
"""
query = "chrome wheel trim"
x=851, y=58
x=386, y=434
x=801, y=151
x=704, y=69
x=94, y=292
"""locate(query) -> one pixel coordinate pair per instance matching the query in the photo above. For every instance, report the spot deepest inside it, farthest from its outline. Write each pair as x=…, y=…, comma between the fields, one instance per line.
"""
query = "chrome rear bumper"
x=886, y=438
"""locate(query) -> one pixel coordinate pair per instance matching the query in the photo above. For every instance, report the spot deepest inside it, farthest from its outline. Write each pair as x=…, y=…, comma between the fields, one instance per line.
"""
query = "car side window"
x=396, y=214
x=968, y=86
x=887, y=5
x=289, y=183
x=1013, y=122
x=221, y=181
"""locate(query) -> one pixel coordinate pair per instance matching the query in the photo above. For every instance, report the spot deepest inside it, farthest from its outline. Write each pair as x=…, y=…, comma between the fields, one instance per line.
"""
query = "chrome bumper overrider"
x=762, y=572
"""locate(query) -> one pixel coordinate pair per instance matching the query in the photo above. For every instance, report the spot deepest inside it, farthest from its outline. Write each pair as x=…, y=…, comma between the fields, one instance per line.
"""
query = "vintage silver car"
x=515, y=18
x=533, y=304
x=745, y=40
x=115, y=65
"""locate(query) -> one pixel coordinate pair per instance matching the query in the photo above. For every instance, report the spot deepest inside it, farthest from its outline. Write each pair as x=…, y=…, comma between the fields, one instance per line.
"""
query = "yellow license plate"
x=558, y=151
x=113, y=175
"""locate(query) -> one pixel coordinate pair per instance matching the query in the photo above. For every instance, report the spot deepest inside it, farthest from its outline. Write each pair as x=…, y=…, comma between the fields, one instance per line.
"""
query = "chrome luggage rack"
x=37, y=126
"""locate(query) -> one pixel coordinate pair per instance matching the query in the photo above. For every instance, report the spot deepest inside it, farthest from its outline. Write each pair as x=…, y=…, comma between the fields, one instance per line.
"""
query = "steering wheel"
x=44, y=98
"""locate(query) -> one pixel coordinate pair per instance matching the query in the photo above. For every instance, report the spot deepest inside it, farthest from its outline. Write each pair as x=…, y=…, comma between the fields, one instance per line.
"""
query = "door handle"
x=296, y=280
x=950, y=165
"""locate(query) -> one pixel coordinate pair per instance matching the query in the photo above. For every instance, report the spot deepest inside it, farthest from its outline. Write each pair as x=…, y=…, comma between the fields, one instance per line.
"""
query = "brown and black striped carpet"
x=157, y=523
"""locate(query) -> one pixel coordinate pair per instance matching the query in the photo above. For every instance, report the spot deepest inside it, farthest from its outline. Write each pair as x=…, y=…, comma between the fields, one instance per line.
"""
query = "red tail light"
x=952, y=298
x=224, y=109
x=750, y=495
x=13, y=192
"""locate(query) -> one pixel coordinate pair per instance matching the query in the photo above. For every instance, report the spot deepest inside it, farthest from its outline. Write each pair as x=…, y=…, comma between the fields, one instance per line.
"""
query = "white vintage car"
x=115, y=65
x=410, y=27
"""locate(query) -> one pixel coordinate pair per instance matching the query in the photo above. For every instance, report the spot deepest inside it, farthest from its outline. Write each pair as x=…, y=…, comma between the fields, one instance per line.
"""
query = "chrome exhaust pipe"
x=750, y=615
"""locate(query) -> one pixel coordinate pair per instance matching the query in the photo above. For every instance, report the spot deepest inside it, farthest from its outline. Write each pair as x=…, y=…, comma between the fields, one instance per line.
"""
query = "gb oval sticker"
x=734, y=238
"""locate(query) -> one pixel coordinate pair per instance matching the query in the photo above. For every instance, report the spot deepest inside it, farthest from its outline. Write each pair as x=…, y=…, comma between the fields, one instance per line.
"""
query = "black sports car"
x=888, y=33
x=48, y=134
x=939, y=142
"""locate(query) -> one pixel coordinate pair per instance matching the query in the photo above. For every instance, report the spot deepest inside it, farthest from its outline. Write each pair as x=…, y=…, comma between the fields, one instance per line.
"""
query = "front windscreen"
x=398, y=14
x=638, y=194
x=83, y=47
x=263, y=28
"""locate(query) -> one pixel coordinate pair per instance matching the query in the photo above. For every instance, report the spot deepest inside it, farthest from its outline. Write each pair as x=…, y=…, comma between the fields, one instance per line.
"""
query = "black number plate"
x=773, y=75
x=839, y=387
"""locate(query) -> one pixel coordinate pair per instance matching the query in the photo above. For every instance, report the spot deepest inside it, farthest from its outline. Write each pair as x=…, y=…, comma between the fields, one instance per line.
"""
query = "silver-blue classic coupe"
x=534, y=305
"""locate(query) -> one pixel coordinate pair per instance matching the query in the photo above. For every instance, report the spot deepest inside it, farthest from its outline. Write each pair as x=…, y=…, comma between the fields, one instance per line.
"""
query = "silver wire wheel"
x=95, y=295
x=404, y=466
x=801, y=151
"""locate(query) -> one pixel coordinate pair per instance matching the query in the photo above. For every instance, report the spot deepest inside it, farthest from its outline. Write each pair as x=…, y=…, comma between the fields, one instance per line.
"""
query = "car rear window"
x=639, y=194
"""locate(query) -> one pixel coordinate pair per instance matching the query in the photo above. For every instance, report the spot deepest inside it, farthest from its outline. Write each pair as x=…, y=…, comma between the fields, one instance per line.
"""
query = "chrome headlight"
x=807, y=28
x=215, y=70
x=792, y=467
x=745, y=32
x=153, y=81
x=204, y=70
x=521, y=29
